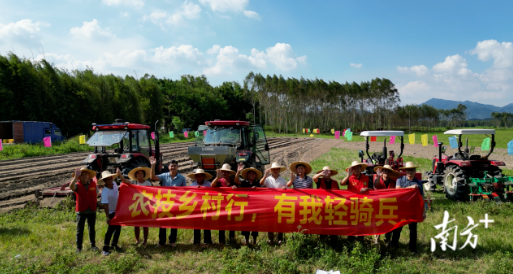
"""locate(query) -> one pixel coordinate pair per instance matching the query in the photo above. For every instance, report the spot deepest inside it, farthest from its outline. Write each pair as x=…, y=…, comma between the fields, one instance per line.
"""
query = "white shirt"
x=110, y=196
x=270, y=182
x=206, y=183
x=136, y=182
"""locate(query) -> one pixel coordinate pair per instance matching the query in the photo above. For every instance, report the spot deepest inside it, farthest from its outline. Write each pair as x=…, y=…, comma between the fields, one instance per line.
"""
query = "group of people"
x=87, y=190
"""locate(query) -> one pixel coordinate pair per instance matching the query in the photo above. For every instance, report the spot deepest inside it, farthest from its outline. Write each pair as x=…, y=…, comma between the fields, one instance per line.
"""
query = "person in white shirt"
x=138, y=176
x=201, y=179
x=109, y=201
x=272, y=179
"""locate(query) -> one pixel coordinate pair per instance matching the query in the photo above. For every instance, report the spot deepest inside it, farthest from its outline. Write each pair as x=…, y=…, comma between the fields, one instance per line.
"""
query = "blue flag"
x=510, y=147
x=453, y=142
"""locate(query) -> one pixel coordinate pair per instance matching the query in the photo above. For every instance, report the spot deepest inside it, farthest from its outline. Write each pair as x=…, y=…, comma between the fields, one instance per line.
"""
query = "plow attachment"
x=491, y=188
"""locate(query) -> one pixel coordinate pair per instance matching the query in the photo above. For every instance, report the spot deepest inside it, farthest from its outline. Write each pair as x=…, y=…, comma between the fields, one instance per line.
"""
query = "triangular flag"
x=332, y=131
x=435, y=140
x=373, y=138
x=171, y=134
x=453, y=142
x=153, y=135
x=486, y=144
x=411, y=138
x=337, y=134
x=349, y=135
x=47, y=141
x=186, y=134
x=424, y=140
x=81, y=139
x=510, y=147
x=392, y=140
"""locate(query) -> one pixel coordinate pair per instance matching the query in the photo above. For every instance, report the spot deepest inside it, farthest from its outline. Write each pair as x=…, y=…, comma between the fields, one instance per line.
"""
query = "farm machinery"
x=466, y=176
x=220, y=142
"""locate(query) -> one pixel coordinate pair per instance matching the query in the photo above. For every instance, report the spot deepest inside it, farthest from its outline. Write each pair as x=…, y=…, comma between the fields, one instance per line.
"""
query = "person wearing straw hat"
x=201, y=179
x=86, y=191
x=409, y=181
x=168, y=179
x=323, y=178
x=385, y=180
x=299, y=175
x=251, y=178
x=224, y=179
x=355, y=180
x=272, y=179
x=138, y=176
x=109, y=200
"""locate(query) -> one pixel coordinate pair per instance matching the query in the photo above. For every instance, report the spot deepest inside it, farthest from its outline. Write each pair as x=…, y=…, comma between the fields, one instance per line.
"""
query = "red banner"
x=316, y=211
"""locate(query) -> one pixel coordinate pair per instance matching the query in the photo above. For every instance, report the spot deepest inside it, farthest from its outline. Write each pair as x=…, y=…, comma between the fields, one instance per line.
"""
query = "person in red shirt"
x=224, y=179
x=323, y=178
x=356, y=182
x=86, y=193
x=385, y=180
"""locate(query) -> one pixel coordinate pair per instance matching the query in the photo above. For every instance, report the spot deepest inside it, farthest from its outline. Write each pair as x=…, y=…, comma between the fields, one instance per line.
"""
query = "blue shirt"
x=206, y=183
x=166, y=179
x=404, y=183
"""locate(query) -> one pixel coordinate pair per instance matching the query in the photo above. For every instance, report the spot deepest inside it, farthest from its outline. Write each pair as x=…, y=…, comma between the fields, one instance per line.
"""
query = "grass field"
x=43, y=240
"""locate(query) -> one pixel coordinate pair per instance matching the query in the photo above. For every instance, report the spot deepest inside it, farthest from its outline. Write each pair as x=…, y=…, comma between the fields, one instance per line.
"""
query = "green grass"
x=44, y=239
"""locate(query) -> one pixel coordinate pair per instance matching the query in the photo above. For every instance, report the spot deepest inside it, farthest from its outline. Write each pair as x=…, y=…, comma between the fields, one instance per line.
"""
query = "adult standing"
x=323, y=180
x=168, y=179
x=251, y=179
x=299, y=175
x=201, y=179
x=86, y=192
x=385, y=180
x=272, y=179
x=224, y=179
x=109, y=200
x=138, y=176
x=409, y=181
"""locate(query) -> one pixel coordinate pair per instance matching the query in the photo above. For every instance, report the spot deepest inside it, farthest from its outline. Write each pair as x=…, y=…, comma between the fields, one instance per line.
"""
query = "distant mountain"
x=474, y=110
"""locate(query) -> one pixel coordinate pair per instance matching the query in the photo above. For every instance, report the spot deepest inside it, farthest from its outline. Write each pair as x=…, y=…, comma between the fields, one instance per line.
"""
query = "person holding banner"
x=109, y=200
x=272, y=179
x=172, y=178
x=224, y=179
x=384, y=180
x=138, y=176
x=201, y=179
x=409, y=181
x=251, y=177
x=298, y=175
x=86, y=192
x=323, y=179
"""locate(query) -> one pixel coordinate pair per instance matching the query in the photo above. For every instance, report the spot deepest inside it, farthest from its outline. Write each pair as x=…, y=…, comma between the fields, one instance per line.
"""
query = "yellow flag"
x=81, y=139
x=303, y=130
x=411, y=138
x=311, y=135
x=424, y=139
x=332, y=131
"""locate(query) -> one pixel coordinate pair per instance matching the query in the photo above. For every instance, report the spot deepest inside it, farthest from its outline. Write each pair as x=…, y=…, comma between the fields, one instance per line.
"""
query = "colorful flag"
x=47, y=141
x=349, y=135
x=435, y=140
x=392, y=140
x=332, y=131
x=510, y=147
x=411, y=138
x=171, y=134
x=1, y=147
x=344, y=132
x=303, y=130
x=486, y=144
x=337, y=134
x=204, y=133
x=153, y=135
x=81, y=139
x=317, y=131
x=424, y=140
x=311, y=135
x=196, y=134
x=453, y=142
x=186, y=134
x=373, y=138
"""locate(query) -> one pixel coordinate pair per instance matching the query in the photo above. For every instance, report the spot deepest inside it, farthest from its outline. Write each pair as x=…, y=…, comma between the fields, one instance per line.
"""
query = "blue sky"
x=456, y=50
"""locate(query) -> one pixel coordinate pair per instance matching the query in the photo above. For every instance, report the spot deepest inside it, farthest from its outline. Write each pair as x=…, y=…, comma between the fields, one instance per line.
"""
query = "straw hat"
x=106, y=174
x=92, y=173
x=246, y=170
x=226, y=167
x=276, y=165
x=356, y=163
x=333, y=172
x=389, y=168
x=409, y=165
x=200, y=171
x=293, y=166
x=132, y=173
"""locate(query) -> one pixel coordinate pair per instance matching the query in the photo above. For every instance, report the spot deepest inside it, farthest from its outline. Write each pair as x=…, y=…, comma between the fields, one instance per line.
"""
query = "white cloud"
x=92, y=31
x=214, y=50
x=419, y=70
x=225, y=5
x=251, y=14
x=21, y=31
x=124, y=14
x=454, y=64
x=186, y=11
x=134, y=3
x=356, y=65
x=501, y=53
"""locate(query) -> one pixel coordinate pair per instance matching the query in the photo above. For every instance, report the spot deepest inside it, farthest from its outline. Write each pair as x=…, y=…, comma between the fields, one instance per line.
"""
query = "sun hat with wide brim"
x=393, y=173
x=200, y=171
x=106, y=174
x=226, y=167
x=132, y=173
x=293, y=166
x=333, y=172
x=276, y=165
x=246, y=170
x=92, y=173
x=409, y=165
x=356, y=163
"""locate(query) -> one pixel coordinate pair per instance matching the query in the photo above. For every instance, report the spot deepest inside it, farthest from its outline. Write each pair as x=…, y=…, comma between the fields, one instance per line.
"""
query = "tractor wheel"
x=431, y=181
x=135, y=163
x=455, y=184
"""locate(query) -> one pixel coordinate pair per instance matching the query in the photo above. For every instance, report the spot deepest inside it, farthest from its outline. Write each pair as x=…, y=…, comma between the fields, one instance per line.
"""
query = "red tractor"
x=122, y=145
x=466, y=176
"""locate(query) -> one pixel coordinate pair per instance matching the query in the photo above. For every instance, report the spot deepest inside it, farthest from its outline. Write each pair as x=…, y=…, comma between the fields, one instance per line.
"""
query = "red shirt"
x=86, y=197
x=322, y=184
x=355, y=184
x=380, y=184
x=224, y=183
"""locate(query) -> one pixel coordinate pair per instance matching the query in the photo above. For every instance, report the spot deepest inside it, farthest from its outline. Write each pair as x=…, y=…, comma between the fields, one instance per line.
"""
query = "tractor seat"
x=475, y=157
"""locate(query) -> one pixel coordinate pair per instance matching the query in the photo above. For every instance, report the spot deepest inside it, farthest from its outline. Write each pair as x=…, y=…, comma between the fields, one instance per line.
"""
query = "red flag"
x=373, y=138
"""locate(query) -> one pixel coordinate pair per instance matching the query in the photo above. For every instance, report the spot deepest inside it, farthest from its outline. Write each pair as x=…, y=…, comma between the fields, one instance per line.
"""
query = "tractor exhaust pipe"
x=157, y=147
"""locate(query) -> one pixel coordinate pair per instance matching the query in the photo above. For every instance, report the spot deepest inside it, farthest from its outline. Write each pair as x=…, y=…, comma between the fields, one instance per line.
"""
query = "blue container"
x=29, y=131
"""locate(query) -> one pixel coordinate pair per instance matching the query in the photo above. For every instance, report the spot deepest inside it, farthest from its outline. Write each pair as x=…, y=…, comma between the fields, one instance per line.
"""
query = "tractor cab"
x=380, y=158
x=467, y=175
x=121, y=145
x=219, y=142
